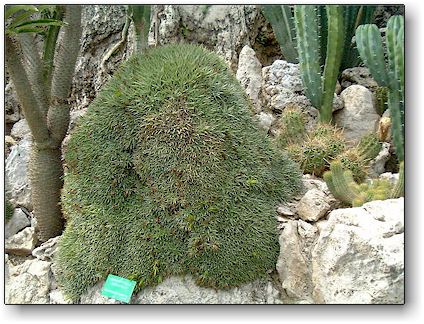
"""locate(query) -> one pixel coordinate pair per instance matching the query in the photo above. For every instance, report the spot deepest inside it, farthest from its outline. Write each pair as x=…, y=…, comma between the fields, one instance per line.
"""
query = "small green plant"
x=344, y=188
x=319, y=148
x=353, y=161
x=8, y=210
x=184, y=182
x=369, y=146
x=314, y=150
x=292, y=126
x=388, y=74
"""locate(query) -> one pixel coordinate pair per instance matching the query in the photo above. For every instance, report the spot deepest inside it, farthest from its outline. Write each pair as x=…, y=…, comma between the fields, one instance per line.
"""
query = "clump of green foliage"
x=8, y=210
x=168, y=174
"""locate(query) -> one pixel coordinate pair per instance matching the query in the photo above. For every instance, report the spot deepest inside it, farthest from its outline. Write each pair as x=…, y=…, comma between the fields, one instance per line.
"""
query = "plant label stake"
x=118, y=288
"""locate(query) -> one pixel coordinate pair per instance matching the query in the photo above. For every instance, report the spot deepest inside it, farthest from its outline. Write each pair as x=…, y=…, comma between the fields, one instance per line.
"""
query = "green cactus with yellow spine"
x=344, y=188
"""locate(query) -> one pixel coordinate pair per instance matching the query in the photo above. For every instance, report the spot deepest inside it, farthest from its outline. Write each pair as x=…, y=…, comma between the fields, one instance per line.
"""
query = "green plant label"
x=118, y=288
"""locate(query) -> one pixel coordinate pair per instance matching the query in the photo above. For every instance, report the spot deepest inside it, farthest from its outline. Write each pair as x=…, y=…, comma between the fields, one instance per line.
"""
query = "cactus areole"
x=168, y=174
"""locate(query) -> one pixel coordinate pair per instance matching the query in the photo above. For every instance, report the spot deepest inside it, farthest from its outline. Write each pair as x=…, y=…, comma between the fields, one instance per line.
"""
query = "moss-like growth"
x=169, y=174
x=8, y=210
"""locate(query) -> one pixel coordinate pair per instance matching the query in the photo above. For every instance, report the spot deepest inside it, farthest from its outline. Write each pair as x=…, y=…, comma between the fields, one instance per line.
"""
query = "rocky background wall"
x=328, y=255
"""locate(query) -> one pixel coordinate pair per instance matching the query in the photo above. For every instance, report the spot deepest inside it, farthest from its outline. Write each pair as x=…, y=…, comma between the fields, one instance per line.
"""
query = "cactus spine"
x=390, y=75
x=369, y=146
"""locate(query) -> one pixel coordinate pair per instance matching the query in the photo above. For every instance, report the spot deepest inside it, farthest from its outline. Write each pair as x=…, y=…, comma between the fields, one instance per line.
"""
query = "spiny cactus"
x=293, y=128
x=280, y=18
x=380, y=100
x=183, y=181
x=390, y=74
x=369, y=146
x=344, y=188
x=320, y=146
x=353, y=161
x=308, y=47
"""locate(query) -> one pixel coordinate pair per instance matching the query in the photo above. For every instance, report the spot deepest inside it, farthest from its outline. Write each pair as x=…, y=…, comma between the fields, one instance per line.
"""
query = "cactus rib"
x=333, y=60
x=370, y=47
x=306, y=22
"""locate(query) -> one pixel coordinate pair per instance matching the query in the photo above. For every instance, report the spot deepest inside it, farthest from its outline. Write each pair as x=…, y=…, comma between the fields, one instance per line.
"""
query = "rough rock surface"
x=282, y=85
x=20, y=130
x=21, y=243
x=18, y=221
x=102, y=27
x=391, y=177
x=360, y=76
x=265, y=120
x=183, y=290
x=377, y=165
x=28, y=283
x=249, y=73
x=294, y=262
x=11, y=104
x=314, y=205
x=358, y=118
x=93, y=296
x=9, y=142
x=17, y=186
x=47, y=250
x=225, y=29
x=359, y=255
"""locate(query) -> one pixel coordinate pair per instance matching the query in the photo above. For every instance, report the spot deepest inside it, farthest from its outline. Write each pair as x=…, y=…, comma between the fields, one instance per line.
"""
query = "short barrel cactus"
x=168, y=174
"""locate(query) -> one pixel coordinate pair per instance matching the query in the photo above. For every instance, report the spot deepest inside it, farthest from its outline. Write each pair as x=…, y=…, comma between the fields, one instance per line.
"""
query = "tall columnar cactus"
x=320, y=90
x=344, y=188
x=281, y=20
x=388, y=74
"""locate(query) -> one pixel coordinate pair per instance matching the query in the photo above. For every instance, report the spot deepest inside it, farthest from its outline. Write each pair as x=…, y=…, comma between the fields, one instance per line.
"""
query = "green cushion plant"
x=168, y=174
